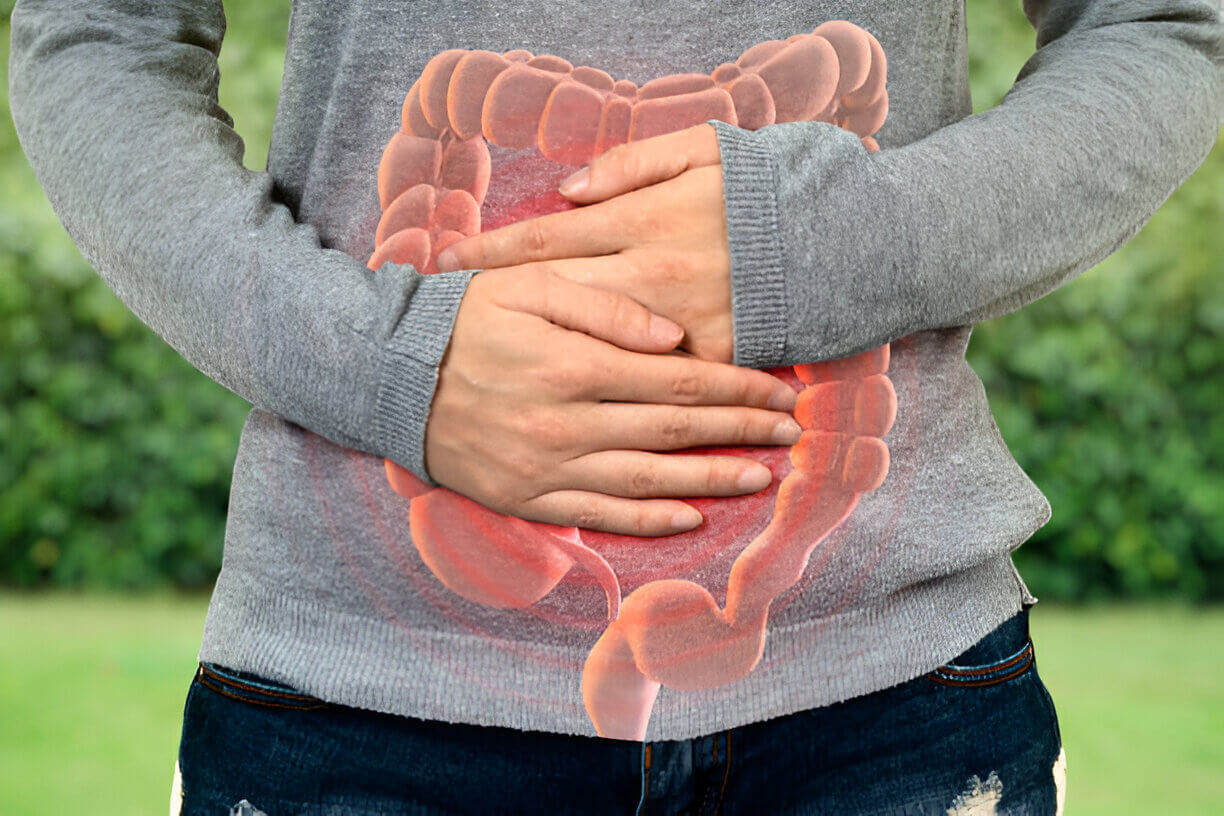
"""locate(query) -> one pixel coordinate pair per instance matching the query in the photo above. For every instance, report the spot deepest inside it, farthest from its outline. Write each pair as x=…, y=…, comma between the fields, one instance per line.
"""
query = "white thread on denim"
x=980, y=798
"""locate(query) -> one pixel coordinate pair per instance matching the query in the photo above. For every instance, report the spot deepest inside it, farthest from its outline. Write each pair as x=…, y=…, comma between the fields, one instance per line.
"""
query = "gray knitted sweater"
x=899, y=543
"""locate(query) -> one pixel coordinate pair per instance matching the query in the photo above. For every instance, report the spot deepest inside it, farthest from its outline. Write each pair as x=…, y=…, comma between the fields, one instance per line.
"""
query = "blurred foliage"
x=116, y=454
x=1108, y=391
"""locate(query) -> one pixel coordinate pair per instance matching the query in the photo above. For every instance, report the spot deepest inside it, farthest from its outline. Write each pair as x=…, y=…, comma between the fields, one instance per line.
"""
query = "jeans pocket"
x=252, y=689
x=1003, y=654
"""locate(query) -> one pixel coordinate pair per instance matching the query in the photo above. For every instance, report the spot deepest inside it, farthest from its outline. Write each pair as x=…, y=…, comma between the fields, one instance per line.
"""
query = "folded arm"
x=835, y=250
x=116, y=108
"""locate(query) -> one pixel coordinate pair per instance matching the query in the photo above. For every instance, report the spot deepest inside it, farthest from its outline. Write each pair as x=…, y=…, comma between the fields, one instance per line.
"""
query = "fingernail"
x=664, y=329
x=687, y=519
x=755, y=478
x=447, y=262
x=787, y=432
x=575, y=182
x=784, y=400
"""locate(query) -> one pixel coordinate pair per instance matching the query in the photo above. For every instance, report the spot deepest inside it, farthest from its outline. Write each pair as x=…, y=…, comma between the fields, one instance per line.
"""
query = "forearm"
x=116, y=107
x=835, y=249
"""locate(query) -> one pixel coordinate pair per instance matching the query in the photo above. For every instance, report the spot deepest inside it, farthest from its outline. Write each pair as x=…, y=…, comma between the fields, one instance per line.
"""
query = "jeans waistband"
x=1002, y=642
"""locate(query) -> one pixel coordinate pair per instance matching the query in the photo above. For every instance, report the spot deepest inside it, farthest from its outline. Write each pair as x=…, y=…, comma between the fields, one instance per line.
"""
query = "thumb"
x=631, y=165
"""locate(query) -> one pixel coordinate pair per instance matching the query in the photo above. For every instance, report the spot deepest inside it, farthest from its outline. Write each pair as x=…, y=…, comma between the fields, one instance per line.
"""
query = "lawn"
x=92, y=690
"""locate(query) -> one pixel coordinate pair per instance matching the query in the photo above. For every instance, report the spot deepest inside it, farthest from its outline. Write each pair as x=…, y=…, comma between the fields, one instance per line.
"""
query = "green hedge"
x=115, y=454
x=1109, y=392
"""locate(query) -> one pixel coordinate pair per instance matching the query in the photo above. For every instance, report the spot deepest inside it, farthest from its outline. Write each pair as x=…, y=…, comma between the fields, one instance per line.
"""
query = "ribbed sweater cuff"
x=409, y=375
x=758, y=287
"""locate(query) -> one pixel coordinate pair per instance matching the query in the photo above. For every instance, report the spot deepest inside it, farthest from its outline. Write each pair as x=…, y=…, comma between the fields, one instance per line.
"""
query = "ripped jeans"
x=976, y=736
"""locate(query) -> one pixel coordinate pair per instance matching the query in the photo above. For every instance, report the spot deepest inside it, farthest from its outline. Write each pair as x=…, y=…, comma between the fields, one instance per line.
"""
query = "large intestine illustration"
x=434, y=189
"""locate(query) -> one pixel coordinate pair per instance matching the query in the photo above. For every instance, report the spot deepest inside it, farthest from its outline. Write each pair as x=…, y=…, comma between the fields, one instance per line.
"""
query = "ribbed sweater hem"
x=371, y=664
x=758, y=281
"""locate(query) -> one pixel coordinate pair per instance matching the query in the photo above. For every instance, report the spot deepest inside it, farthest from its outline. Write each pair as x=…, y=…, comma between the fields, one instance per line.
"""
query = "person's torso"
x=952, y=497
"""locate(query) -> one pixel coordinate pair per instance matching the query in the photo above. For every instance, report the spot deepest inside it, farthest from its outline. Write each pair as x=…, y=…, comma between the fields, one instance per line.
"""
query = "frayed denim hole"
x=245, y=808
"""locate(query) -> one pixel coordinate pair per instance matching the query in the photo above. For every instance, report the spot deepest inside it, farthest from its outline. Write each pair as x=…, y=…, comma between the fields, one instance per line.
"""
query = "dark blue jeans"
x=978, y=735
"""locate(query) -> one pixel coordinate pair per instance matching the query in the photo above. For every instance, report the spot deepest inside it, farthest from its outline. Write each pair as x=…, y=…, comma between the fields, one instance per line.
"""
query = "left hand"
x=654, y=229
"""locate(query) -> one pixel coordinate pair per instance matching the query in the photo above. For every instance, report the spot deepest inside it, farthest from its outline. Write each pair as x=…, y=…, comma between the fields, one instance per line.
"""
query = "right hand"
x=551, y=393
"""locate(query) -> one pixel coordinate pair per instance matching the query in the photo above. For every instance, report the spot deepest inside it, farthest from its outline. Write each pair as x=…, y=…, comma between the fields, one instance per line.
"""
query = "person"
x=448, y=478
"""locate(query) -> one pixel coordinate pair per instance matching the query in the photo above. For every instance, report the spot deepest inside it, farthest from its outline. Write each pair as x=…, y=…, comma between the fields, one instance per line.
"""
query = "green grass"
x=1141, y=706
x=91, y=701
x=92, y=690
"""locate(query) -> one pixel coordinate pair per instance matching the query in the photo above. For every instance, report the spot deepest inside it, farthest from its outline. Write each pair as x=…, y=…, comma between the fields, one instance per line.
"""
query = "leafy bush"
x=1108, y=392
x=115, y=454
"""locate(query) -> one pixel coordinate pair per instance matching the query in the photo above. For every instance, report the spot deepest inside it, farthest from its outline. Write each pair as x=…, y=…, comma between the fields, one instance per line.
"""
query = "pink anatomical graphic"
x=434, y=185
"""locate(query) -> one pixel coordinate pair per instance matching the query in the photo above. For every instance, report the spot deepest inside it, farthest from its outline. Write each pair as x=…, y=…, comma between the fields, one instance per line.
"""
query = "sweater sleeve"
x=835, y=249
x=115, y=105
